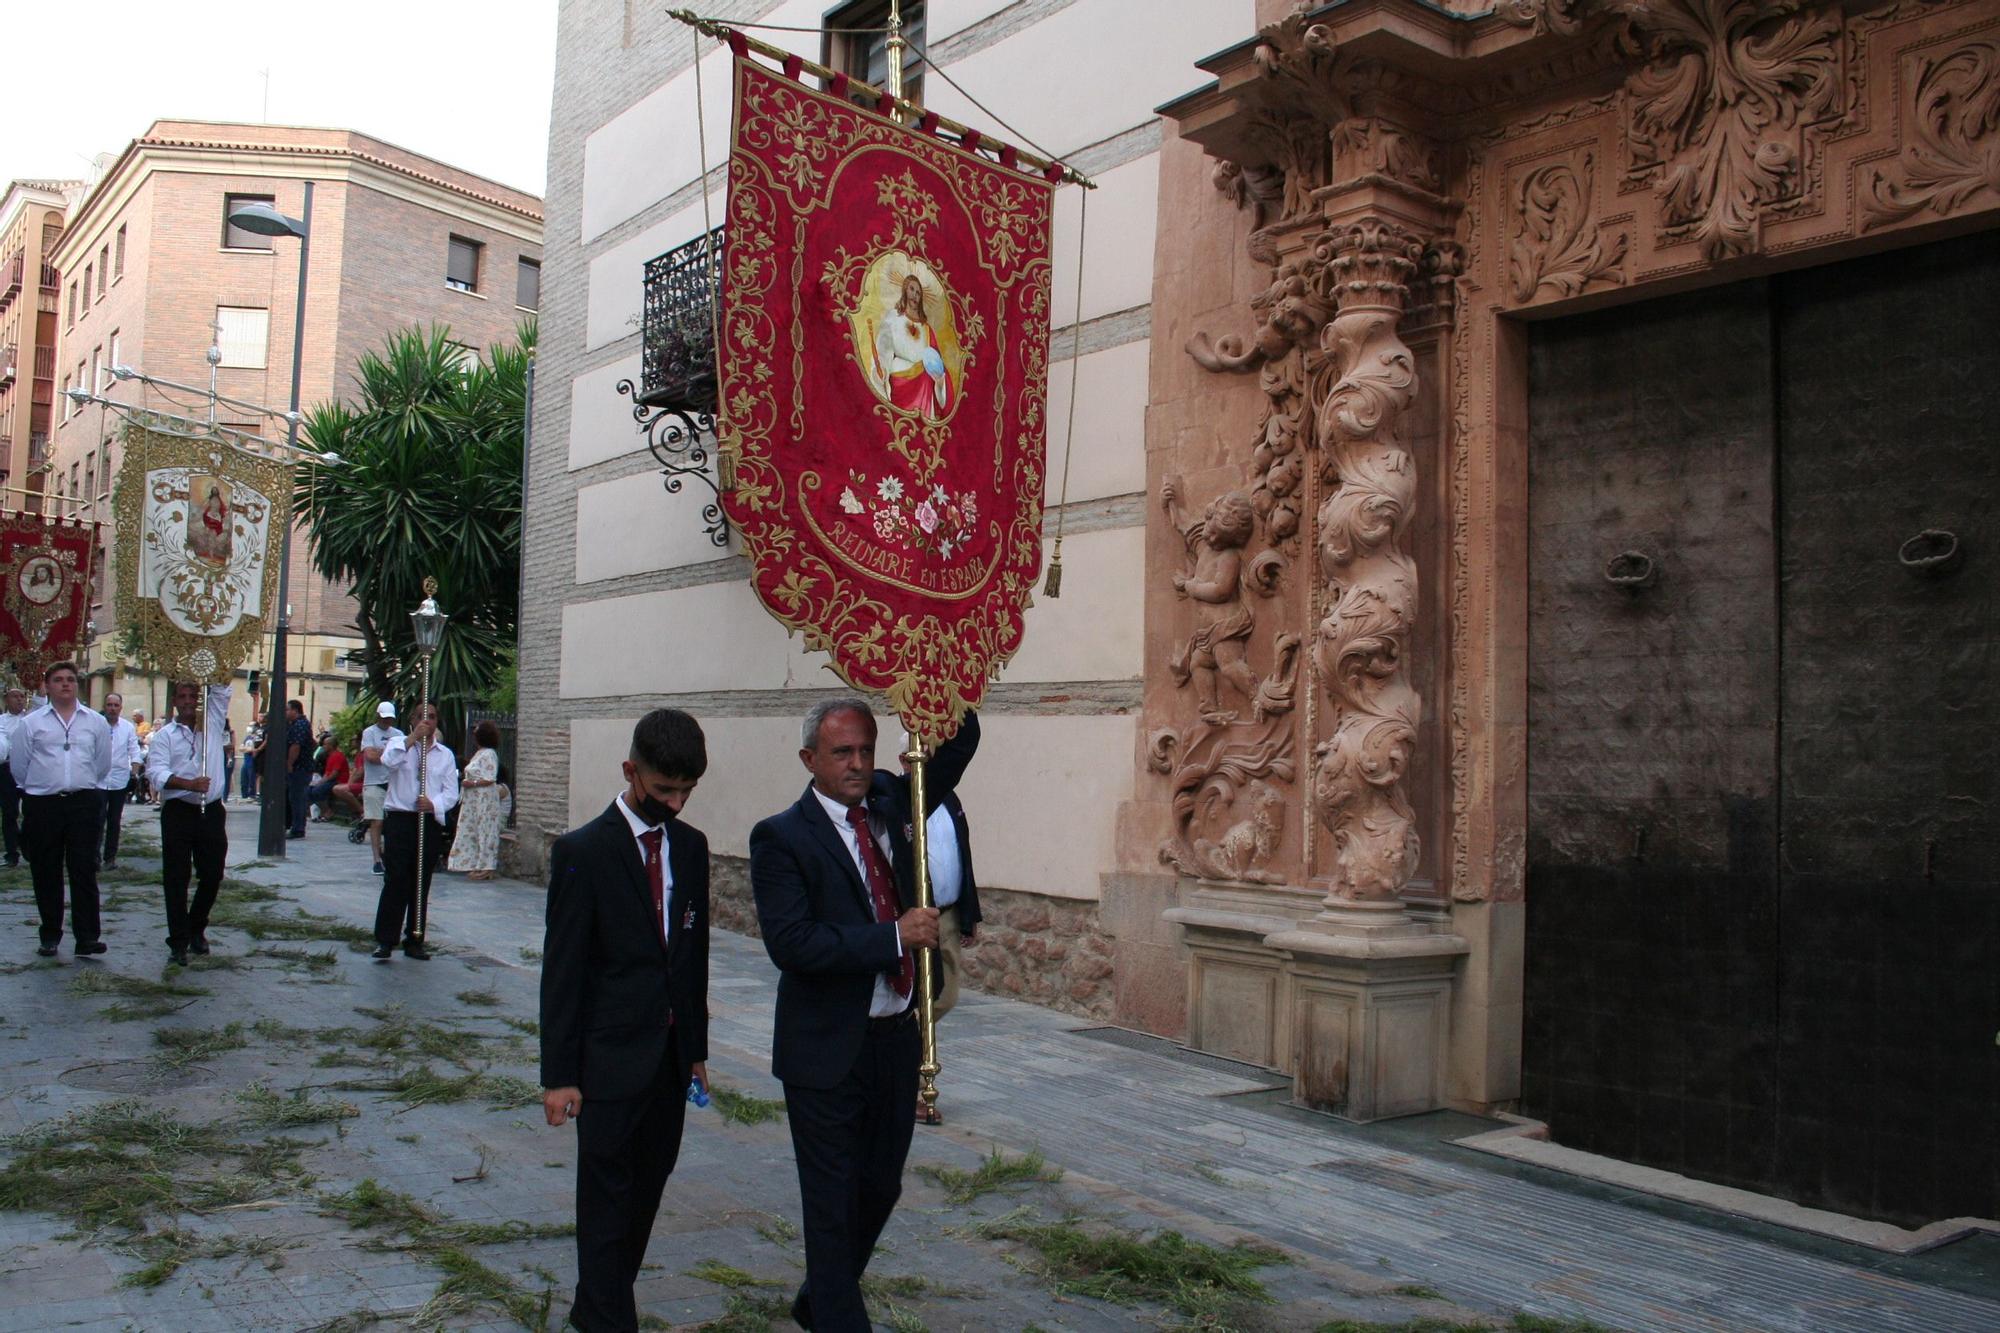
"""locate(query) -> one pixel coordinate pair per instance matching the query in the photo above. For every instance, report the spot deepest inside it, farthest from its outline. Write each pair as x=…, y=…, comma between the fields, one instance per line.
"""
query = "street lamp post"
x=265, y=220
x=427, y=623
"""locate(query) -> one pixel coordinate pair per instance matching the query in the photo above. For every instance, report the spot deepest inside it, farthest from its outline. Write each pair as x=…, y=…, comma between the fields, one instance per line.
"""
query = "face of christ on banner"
x=906, y=337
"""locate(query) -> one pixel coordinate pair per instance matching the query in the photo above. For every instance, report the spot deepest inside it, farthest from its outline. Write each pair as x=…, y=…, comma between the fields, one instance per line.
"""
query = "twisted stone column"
x=1369, y=576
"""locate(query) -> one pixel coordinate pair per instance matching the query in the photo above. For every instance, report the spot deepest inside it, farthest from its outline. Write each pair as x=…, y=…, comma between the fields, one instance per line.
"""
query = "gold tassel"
x=1053, y=586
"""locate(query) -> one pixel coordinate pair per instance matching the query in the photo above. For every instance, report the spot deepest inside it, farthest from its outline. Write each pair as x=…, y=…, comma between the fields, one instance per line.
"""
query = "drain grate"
x=1169, y=1050
x=1388, y=1177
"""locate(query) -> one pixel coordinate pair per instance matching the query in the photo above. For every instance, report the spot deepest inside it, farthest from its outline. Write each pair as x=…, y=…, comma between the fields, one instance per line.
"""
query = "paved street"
x=319, y=1141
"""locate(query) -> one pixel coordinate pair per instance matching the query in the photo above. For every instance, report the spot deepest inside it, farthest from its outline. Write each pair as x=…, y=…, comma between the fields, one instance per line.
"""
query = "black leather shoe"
x=178, y=955
x=418, y=952
x=383, y=953
x=802, y=1311
x=94, y=947
x=46, y=950
x=200, y=944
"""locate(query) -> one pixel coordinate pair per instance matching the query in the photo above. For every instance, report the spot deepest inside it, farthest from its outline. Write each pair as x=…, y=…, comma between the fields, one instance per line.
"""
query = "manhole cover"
x=134, y=1076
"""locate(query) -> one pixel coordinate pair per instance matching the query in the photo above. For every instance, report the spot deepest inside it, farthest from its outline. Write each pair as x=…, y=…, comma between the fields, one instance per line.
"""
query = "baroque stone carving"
x=1216, y=579
x=1557, y=243
x=1719, y=114
x=1370, y=577
x=1952, y=138
x=1208, y=772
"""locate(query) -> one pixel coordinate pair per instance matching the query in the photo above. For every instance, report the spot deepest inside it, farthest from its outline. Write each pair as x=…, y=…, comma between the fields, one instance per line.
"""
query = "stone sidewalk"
x=359, y=1147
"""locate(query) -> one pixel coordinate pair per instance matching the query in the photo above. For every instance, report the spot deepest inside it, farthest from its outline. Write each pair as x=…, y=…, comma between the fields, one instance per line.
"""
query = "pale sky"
x=464, y=81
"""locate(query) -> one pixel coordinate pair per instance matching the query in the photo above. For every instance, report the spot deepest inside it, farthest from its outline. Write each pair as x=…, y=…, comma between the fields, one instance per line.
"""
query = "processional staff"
x=428, y=624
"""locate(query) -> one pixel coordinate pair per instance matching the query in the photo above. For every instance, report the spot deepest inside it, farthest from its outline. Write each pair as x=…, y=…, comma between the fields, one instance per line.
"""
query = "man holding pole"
x=835, y=883
x=61, y=755
x=406, y=884
x=184, y=766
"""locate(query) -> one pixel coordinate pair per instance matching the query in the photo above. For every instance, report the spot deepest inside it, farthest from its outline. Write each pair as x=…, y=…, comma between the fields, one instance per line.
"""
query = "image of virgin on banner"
x=45, y=569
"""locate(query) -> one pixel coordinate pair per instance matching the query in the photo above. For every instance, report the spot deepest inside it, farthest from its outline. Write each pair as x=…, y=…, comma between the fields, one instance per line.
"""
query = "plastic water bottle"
x=697, y=1094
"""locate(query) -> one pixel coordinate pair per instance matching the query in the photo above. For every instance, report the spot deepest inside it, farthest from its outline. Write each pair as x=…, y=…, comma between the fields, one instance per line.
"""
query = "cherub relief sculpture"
x=1215, y=579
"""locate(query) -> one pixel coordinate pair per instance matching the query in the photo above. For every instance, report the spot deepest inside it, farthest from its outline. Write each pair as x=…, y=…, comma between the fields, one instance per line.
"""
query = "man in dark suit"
x=834, y=878
x=625, y=1005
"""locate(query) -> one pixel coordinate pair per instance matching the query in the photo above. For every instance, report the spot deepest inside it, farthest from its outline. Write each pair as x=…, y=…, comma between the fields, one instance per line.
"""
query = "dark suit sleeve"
x=795, y=939
x=944, y=771
x=695, y=1039
x=565, y=966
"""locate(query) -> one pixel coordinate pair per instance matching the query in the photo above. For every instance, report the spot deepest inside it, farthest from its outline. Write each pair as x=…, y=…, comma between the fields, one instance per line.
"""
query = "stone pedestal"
x=1354, y=1004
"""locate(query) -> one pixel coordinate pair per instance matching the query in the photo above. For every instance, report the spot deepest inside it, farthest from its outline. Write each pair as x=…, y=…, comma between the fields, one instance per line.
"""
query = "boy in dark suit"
x=625, y=1005
x=834, y=878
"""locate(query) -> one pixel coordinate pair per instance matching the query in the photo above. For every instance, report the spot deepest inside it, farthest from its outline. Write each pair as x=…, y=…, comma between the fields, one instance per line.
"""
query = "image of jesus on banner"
x=914, y=362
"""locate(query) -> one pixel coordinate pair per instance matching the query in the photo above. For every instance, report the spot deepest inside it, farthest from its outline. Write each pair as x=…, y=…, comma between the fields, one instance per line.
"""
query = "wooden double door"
x=1763, y=889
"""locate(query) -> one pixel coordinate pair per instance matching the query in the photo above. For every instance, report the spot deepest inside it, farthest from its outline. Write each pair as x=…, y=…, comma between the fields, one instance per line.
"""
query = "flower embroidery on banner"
x=937, y=522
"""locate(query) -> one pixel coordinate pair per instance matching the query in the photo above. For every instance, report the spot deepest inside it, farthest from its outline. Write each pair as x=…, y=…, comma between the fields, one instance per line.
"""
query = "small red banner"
x=45, y=567
x=884, y=363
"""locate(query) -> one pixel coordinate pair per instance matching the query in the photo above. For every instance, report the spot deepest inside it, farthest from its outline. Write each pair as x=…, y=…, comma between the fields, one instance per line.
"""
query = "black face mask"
x=650, y=809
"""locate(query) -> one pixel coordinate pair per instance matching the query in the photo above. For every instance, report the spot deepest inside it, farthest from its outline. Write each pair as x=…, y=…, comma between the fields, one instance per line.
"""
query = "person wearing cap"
x=375, y=774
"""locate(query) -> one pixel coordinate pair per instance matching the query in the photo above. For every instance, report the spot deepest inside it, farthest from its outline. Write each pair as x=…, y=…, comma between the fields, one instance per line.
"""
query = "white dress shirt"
x=947, y=869
x=125, y=752
x=52, y=757
x=440, y=777
x=640, y=828
x=885, y=1003
x=9, y=724
x=174, y=753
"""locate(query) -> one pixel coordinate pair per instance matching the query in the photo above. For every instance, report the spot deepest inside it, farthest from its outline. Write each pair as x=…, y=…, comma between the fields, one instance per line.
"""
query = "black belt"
x=60, y=795
x=893, y=1021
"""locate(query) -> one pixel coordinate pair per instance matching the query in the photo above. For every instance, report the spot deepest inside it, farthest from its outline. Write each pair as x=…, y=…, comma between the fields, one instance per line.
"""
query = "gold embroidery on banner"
x=214, y=597
x=805, y=143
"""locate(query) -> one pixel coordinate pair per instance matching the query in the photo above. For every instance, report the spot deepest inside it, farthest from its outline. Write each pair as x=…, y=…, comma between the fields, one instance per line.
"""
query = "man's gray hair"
x=825, y=708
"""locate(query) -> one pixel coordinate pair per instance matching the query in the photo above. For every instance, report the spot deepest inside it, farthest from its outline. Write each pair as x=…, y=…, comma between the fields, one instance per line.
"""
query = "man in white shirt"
x=374, y=775
x=61, y=756
x=10, y=791
x=406, y=886
x=117, y=784
x=184, y=765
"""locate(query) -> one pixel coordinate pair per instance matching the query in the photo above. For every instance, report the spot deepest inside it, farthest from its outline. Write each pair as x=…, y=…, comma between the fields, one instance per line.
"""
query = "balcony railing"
x=38, y=450
x=678, y=370
x=9, y=356
x=45, y=363
x=51, y=279
x=10, y=279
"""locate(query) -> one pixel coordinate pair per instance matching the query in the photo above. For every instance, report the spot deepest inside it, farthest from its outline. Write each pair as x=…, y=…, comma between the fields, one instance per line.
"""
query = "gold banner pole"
x=423, y=790
x=927, y=1071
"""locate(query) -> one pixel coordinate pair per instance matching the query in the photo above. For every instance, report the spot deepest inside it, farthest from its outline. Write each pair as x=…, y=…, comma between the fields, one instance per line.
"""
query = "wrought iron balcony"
x=679, y=326
x=9, y=355
x=674, y=401
x=10, y=279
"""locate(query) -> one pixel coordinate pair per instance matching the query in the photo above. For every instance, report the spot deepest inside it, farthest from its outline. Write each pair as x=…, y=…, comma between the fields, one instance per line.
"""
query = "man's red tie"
x=652, y=838
x=881, y=887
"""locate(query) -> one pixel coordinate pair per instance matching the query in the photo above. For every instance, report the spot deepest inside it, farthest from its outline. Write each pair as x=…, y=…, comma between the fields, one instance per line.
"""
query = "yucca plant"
x=429, y=484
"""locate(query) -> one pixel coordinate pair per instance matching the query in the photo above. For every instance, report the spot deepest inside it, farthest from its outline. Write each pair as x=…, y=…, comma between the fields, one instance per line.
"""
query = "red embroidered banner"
x=884, y=364
x=45, y=567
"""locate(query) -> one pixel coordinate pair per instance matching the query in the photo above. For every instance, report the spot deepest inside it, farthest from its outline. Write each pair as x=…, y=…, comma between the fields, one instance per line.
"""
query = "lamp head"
x=264, y=220
x=78, y=395
x=427, y=622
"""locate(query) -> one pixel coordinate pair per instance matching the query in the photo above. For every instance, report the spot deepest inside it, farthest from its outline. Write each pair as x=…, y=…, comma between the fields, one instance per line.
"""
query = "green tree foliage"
x=429, y=484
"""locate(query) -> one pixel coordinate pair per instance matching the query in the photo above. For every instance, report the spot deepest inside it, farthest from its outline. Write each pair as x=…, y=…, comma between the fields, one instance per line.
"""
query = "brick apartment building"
x=153, y=274
x=31, y=226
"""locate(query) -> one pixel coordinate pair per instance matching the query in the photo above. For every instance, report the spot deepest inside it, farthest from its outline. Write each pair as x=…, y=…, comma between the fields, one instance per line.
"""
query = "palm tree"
x=429, y=484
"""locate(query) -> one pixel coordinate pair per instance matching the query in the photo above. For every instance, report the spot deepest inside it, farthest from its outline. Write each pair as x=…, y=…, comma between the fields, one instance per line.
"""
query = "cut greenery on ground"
x=996, y=1172
x=1110, y=1263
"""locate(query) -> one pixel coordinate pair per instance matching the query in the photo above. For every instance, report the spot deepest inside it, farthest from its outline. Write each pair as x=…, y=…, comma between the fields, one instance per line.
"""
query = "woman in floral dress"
x=476, y=849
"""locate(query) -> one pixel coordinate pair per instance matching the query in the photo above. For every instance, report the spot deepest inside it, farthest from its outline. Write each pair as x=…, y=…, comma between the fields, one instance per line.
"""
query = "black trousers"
x=114, y=820
x=397, y=907
x=850, y=1141
x=296, y=783
x=10, y=814
x=58, y=833
x=196, y=837
x=625, y=1150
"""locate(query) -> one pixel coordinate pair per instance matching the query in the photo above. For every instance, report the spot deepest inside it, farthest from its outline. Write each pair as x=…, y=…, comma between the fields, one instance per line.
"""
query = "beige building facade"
x=31, y=227
x=1525, y=644
x=160, y=277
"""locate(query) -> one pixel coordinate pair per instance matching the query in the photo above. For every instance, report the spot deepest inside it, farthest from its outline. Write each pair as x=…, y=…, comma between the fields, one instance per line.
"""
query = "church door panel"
x=1888, y=394
x=1650, y=991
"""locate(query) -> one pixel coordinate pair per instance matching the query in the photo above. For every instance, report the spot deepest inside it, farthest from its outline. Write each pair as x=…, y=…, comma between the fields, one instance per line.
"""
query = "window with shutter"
x=243, y=334
x=462, y=265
